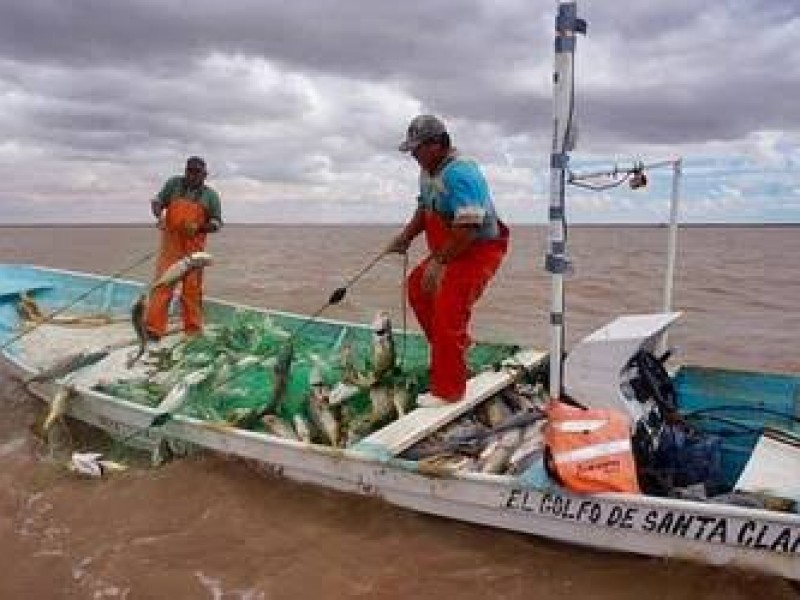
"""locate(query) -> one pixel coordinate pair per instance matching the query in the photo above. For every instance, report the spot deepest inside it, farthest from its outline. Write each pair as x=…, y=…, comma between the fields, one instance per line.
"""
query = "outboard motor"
x=616, y=368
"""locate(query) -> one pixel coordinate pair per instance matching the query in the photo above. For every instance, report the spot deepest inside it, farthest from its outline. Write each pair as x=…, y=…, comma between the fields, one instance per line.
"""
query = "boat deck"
x=47, y=344
x=421, y=422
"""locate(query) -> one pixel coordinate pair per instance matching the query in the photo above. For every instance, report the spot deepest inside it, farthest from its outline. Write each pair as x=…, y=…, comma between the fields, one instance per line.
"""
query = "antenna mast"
x=557, y=262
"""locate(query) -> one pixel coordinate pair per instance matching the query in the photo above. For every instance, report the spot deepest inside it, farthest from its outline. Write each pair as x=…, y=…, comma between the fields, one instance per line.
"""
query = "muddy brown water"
x=210, y=527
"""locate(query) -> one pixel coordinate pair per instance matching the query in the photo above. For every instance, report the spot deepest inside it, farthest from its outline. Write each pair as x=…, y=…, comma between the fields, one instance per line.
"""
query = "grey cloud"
x=318, y=92
x=457, y=56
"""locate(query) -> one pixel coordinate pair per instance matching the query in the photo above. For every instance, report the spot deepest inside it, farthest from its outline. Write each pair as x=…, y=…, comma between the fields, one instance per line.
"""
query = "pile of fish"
x=504, y=435
x=254, y=374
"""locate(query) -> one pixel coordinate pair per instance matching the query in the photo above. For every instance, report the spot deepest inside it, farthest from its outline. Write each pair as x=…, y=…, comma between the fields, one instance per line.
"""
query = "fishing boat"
x=746, y=424
x=529, y=501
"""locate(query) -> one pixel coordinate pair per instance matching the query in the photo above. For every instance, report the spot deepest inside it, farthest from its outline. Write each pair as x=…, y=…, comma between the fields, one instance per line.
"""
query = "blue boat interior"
x=736, y=406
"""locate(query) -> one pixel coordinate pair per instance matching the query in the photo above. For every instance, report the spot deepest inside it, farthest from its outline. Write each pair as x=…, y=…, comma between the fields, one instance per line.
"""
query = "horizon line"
x=137, y=224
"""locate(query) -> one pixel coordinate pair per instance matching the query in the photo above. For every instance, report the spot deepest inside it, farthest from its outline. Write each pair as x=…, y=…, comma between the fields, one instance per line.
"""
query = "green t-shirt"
x=206, y=196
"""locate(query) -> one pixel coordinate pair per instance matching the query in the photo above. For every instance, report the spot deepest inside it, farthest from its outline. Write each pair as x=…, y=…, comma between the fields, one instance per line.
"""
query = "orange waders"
x=444, y=315
x=176, y=244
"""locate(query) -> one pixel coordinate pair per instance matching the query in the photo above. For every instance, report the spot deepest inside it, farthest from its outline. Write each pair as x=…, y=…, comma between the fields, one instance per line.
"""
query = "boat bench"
x=421, y=422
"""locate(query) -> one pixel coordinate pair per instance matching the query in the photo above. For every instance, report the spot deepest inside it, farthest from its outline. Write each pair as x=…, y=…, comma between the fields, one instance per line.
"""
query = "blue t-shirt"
x=460, y=194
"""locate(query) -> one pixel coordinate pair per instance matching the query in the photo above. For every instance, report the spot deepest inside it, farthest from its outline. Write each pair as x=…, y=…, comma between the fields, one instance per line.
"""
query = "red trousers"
x=176, y=244
x=445, y=314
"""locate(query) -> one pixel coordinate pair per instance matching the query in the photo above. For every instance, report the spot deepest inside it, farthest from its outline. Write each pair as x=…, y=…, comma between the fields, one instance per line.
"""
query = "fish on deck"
x=68, y=365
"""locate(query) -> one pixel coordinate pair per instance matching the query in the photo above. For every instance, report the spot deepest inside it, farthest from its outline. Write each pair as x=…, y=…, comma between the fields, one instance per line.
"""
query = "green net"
x=247, y=365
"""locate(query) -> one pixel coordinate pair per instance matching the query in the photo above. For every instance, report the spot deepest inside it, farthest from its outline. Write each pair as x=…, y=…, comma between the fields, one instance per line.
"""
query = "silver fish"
x=383, y=350
x=498, y=453
x=58, y=407
x=181, y=268
x=174, y=398
x=315, y=376
x=529, y=450
x=278, y=427
x=466, y=428
x=342, y=392
x=239, y=415
x=497, y=412
x=247, y=361
x=180, y=391
x=519, y=401
x=69, y=364
x=444, y=464
x=323, y=418
x=381, y=399
x=302, y=427
x=281, y=372
x=138, y=311
x=401, y=396
x=347, y=363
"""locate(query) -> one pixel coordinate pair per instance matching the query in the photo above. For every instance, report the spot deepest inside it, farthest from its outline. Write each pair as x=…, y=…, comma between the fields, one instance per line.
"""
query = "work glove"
x=398, y=245
x=190, y=228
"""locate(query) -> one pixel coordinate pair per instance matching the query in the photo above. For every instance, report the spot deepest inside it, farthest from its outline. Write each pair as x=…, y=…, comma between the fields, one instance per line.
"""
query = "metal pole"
x=669, y=276
x=672, y=244
x=617, y=170
x=675, y=164
x=557, y=262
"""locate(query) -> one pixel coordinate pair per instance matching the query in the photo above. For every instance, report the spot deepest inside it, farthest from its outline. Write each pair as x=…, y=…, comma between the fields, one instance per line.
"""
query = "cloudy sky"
x=298, y=106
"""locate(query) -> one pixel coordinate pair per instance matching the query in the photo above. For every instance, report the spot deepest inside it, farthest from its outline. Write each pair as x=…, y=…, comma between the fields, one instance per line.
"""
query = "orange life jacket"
x=590, y=450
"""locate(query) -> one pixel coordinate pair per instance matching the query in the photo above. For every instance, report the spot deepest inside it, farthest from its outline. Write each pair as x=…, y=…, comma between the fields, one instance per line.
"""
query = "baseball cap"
x=422, y=129
x=195, y=160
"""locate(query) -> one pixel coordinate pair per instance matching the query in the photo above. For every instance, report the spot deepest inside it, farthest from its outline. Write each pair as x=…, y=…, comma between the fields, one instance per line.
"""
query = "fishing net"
x=247, y=365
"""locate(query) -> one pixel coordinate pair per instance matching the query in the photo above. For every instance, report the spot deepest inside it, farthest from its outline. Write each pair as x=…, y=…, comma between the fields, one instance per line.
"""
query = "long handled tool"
x=338, y=294
x=285, y=356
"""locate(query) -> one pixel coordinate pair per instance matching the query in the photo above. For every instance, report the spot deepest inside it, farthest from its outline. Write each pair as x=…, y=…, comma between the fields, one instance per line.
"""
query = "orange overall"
x=176, y=244
x=444, y=315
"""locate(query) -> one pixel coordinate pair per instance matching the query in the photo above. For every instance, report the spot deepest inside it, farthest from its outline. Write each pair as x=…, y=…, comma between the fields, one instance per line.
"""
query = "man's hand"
x=190, y=228
x=398, y=245
x=432, y=276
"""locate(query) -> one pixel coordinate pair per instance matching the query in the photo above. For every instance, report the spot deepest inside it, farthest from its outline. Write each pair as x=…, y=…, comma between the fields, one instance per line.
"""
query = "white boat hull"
x=716, y=534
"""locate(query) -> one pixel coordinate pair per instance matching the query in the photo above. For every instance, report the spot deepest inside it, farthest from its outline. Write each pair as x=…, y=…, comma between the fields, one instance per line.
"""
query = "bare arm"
x=412, y=229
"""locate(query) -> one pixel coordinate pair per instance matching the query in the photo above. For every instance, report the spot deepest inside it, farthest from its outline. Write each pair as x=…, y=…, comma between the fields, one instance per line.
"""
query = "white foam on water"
x=214, y=586
x=12, y=446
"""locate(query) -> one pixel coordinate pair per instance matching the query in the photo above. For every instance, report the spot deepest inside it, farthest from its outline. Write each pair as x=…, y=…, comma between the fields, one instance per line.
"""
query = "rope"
x=404, y=308
x=600, y=186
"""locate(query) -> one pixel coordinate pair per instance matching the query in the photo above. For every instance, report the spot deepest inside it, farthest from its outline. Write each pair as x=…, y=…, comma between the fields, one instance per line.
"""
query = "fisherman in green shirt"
x=187, y=210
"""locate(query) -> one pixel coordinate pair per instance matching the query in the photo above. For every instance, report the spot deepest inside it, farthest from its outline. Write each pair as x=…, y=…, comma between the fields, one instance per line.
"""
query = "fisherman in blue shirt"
x=466, y=243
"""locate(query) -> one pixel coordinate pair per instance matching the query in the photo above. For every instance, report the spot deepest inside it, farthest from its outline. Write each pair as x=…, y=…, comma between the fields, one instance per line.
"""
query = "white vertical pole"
x=672, y=244
x=557, y=263
x=673, y=235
